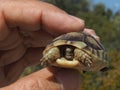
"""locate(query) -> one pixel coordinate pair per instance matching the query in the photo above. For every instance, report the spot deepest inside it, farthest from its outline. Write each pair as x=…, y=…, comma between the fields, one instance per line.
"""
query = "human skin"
x=26, y=27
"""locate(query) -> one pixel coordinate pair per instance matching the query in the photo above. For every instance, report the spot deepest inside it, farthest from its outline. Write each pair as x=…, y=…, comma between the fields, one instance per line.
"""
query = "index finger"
x=36, y=15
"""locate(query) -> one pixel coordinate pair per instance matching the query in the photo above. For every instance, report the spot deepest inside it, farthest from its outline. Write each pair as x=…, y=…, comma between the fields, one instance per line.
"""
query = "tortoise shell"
x=75, y=50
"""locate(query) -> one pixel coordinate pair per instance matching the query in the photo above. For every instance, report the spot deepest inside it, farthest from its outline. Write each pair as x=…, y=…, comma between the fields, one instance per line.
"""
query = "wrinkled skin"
x=26, y=27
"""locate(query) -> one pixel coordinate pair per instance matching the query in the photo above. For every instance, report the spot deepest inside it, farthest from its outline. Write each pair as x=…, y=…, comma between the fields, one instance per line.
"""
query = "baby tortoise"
x=75, y=50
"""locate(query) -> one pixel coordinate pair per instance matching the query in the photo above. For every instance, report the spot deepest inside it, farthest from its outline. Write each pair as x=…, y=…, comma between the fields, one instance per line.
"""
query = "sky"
x=114, y=5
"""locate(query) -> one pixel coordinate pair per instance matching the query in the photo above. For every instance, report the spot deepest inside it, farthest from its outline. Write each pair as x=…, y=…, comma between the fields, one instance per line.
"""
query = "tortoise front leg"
x=50, y=56
x=82, y=57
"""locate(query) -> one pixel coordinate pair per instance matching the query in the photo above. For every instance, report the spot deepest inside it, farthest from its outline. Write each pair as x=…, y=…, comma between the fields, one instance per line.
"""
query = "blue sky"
x=112, y=4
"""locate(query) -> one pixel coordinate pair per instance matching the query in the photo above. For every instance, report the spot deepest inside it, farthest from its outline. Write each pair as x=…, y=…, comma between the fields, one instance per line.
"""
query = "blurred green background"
x=106, y=23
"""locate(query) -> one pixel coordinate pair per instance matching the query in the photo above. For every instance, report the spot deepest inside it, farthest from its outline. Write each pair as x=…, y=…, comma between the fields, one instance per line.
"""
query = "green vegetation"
x=107, y=26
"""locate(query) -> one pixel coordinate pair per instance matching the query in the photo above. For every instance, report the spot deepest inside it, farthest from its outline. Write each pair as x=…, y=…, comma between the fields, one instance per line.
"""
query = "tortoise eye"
x=91, y=41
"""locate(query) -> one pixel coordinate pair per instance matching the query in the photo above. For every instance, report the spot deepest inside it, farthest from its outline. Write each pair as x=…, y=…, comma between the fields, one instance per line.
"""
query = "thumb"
x=47, y=79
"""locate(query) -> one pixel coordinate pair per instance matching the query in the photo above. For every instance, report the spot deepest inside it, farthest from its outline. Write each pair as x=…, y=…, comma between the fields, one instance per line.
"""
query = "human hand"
x=46, y=79
x=26, y=27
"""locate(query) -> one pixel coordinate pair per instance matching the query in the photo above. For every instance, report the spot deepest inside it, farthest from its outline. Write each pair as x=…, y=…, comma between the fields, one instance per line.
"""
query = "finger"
x=11, y=41
x=12, y=55
x=92, y=33
x=35, y=15
x=32, y=57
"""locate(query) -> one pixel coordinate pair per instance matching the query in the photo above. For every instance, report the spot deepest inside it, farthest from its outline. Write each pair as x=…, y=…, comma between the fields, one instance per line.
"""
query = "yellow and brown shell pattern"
x=75, y=50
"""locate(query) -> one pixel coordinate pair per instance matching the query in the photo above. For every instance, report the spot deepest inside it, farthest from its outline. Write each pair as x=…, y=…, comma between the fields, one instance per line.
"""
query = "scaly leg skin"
x=83, y=57
x=50, y=56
